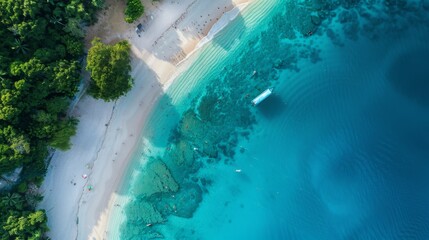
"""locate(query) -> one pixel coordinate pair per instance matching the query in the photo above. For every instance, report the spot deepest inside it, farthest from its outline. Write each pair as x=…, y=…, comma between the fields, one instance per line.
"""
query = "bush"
x=133, y=11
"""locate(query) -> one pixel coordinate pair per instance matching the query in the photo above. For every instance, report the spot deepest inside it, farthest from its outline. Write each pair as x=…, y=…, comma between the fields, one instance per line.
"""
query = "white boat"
x=261, y=97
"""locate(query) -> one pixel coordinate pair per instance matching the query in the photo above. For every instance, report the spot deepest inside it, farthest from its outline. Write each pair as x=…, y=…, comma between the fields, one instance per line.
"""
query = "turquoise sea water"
x=339, y=151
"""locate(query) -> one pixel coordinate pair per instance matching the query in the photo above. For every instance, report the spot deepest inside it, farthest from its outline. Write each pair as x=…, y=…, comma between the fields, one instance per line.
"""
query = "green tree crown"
x=109, y=66
x=133, y=11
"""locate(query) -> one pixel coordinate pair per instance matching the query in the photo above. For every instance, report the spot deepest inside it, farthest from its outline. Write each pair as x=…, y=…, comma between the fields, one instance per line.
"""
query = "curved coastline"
x=103, y=147
x=211, y=61
x=115, y=215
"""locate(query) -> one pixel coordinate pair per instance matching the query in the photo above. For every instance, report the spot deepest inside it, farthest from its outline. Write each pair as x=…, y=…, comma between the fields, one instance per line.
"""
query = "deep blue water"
x=339, y=151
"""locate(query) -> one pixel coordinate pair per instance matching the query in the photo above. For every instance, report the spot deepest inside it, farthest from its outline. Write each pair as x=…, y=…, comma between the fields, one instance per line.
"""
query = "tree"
x=40, y=51
x=28, y=226
x=61, y=138
x=20, y=47
x=8, y=102
x=57, y=105
x=133, y=11
x=73, y=28
x=74, y=46
x=14, y=149
x=65, y=77
x=109, y=66
x=12, y=201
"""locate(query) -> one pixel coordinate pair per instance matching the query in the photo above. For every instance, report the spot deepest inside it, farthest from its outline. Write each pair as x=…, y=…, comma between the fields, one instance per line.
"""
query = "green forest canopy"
x=40, y=54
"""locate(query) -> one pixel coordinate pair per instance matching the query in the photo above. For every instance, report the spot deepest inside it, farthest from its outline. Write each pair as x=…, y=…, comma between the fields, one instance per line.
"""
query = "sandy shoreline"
x=108, y=133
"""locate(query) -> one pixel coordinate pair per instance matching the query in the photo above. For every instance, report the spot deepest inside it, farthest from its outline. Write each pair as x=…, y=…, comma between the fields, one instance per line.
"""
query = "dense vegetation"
x=109, y=66
x=39, y=72
x=19, y=223
x=133, y=11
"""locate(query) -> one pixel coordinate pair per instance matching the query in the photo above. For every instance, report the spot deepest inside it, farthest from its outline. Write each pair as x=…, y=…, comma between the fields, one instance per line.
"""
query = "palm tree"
x=56, y=20
x=20, y=46
x=12, y=200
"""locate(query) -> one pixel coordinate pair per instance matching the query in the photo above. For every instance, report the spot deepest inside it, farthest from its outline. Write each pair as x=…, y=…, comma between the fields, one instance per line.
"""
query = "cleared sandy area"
x=108, y=132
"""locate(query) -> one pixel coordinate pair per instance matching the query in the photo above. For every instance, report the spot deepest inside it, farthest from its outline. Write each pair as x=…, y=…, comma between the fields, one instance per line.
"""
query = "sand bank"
x=108, y=133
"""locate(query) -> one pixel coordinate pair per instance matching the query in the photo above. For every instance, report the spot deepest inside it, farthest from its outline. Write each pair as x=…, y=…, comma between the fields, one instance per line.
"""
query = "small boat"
x=261, y=97
x=238, y=170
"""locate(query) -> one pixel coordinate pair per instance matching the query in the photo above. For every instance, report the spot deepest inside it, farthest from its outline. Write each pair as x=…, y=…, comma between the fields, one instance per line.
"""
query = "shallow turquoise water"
x=340, y=151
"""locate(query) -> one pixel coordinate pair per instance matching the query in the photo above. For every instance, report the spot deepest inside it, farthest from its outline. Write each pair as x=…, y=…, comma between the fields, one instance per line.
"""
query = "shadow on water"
x=272, y=107
x=409, y=74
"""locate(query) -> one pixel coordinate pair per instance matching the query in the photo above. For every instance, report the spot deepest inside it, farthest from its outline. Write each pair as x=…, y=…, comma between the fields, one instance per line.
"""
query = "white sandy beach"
x=108, y=133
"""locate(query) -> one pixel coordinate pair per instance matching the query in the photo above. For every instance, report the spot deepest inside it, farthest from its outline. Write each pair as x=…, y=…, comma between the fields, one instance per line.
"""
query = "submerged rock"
x=316, y=20
x=156, y=178
x=207, y=108
x=188, y=200
x=181, y=159
x=182, y=204
x=191, y=127
x=143, y=212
